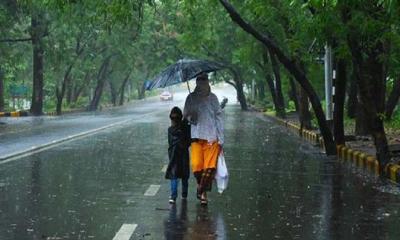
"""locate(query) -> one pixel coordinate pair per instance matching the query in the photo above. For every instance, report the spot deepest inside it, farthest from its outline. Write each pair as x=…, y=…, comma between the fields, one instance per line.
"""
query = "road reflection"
x=175, y=227
x=205, y=225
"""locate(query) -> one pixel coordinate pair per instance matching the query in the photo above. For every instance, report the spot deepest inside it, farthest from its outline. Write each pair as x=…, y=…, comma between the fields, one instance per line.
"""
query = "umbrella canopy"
x=182, y=71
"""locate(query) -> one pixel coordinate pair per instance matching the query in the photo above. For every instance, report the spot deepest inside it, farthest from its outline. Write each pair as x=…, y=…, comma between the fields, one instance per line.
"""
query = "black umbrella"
x=182, y=71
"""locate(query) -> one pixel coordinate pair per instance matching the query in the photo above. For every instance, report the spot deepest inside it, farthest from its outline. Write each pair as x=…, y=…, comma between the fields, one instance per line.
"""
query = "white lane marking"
x=164, y=169
x=36, y=149
x=152, y=190
x=125, y=232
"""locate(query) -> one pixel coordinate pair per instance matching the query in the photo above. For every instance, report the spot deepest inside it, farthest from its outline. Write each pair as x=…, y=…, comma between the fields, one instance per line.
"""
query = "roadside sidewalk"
x=360, y=155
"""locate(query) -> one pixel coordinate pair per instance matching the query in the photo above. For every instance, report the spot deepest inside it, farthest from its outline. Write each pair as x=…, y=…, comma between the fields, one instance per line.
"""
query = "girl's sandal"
x=204, y=201
x=198, y=194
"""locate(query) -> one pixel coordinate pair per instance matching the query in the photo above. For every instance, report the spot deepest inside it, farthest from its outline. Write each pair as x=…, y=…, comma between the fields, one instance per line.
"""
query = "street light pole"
x=328, y=83
x=253, y=90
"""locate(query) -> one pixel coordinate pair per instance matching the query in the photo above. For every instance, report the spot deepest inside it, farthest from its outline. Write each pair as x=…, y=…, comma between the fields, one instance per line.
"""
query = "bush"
x=49, y=105
x=395, y=121
x=291, y=107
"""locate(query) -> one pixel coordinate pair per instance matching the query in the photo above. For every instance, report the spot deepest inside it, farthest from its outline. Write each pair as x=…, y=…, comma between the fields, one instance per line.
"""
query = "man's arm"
x=219, y=121
x=224, y=102
x=186, y=108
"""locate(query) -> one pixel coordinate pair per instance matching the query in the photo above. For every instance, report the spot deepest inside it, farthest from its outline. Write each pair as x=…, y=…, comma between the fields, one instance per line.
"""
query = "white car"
x=166, y=96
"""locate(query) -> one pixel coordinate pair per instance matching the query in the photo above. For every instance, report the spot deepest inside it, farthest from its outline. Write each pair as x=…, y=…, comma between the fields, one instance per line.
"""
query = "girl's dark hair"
x=176, y=111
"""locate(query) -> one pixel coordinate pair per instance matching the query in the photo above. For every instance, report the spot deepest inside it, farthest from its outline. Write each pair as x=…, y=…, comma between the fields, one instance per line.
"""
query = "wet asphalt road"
x=22, y=133
x=280, y=187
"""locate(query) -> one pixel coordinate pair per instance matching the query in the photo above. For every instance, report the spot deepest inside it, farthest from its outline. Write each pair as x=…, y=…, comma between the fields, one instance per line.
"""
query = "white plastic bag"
x=221, y=176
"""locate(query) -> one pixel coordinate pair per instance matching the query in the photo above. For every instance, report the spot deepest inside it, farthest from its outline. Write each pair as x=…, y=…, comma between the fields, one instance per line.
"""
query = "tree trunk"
x=293, y=94
x=361, y=128
x=304, y=103
x=369, y=63
x=238, y=85
x=352, y=101
x=280, y=101
x=271, y=87
x=1, y=90
x=122, y=89
x=393, y=99
x=70, y=93
x=101, y=79
x=270, y=82
x=370, y=75
x=79, y=89
x=240, y=95
x=237, y=78
x=141, y=90
x=304, y=113
x=260, y=91
x=61, y=92
x=294, y=70
x=340, y=95
x=38, y=52
x=77, y=93
x=255, y=90
x=113, y=93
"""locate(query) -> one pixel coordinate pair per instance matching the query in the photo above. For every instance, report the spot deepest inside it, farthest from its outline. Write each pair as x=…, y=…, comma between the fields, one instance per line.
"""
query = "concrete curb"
x=345, y=154
x=26, y=113
x=77, y=110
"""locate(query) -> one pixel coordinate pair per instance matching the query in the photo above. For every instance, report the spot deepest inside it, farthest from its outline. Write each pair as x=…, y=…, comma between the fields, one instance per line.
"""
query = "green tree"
x=293, y=68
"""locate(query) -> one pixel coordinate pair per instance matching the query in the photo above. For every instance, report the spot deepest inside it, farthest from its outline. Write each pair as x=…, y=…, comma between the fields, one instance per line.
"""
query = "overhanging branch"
x=231, y=83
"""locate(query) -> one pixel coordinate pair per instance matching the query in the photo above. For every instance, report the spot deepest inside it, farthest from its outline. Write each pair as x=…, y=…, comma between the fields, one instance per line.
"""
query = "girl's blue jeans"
x=174, y=188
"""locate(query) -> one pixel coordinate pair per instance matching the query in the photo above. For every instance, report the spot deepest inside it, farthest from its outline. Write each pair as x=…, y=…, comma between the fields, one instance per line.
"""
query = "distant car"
x=166, y=96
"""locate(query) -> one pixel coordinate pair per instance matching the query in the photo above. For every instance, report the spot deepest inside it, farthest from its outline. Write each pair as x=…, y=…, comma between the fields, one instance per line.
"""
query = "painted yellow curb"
x=393, y=171
x=359, y=159
x=14, y=114
x=342, y=152
x=349, y=154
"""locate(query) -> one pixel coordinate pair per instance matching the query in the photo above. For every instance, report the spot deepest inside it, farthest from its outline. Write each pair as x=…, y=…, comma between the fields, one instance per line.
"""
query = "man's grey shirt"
x=208, y=124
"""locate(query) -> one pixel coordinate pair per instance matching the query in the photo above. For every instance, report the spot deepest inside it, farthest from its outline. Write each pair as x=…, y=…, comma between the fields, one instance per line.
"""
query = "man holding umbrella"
x=203, y=111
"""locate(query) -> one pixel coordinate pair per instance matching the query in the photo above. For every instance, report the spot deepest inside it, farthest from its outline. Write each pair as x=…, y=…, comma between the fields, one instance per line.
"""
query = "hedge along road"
x=110, y=186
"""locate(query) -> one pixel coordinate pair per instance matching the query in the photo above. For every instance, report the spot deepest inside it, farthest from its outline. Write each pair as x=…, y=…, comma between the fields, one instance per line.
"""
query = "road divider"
x=125, y=232
x=344, y=153
x=152, y=190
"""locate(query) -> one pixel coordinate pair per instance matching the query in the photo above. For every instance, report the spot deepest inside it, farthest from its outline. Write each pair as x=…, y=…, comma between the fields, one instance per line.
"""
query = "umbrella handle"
x=187, y=82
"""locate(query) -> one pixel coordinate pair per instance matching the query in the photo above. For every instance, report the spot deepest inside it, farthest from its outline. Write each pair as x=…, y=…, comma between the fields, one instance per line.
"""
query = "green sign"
x=18, y=90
